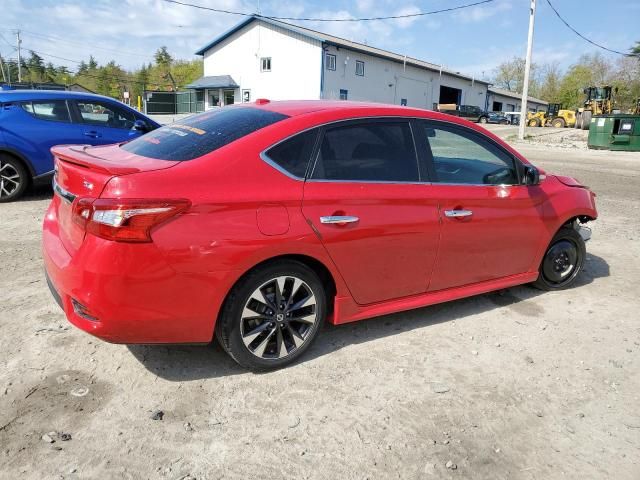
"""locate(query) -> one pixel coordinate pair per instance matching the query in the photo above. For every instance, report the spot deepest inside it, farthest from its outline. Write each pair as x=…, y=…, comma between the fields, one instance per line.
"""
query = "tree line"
x=549, y=82
x=164, y=73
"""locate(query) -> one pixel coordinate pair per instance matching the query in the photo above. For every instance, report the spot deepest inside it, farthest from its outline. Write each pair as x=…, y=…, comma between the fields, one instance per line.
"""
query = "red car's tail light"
x=125, y=220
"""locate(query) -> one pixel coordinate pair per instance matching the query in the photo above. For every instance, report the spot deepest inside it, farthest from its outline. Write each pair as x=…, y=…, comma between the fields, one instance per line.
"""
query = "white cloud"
x=481, y=13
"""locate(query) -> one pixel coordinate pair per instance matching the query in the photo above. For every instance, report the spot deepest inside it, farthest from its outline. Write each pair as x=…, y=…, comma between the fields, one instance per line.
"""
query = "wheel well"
x=317, y=266
x=19, y=158
x=579, y=218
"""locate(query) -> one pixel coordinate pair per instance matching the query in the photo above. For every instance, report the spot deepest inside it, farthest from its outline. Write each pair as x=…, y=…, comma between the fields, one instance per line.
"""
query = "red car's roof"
x=294, y=108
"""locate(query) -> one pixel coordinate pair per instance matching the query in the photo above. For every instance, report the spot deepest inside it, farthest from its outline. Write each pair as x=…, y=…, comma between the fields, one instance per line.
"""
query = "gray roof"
x=337, y=41
x=516, y=95
x=216, y=81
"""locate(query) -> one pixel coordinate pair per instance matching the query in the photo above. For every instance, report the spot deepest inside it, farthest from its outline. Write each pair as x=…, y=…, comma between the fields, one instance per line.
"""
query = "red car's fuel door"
x=365, y=201
x=492, y=225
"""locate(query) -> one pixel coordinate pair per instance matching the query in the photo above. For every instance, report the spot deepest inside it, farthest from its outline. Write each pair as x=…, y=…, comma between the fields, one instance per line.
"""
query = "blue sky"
x=472, y=40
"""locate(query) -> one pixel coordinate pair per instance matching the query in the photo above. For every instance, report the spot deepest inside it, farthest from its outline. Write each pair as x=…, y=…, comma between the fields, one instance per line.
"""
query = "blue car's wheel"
x=14, y=178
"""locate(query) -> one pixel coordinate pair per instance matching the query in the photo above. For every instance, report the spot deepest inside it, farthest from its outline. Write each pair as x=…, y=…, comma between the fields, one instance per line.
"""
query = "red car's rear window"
x=203, y=133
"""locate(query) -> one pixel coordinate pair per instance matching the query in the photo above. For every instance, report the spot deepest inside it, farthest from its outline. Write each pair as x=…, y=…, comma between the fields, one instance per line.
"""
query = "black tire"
x=483, y=120
x=563, y=260
x=578, y=124
x=534, y=122
x=558, y=123
x=586, y=119
x=231, y=321
x=14, y=178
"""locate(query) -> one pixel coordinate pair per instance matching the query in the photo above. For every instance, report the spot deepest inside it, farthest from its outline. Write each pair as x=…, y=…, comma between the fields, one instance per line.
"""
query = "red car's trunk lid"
x=82, y=172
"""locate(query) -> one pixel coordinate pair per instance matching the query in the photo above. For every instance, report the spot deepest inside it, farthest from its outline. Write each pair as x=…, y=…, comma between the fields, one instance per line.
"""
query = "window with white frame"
x=360, y=68
x=344, y=94
x=265, y=64
x=330, y=60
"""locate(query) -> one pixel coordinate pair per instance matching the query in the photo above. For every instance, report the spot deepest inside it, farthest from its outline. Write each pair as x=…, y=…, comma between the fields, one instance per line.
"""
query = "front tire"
x=563, y=260
x=534, y=122
x=14, y=178
x=272, y=315
x=483, y=120
x=558, y=123
x=586, y=119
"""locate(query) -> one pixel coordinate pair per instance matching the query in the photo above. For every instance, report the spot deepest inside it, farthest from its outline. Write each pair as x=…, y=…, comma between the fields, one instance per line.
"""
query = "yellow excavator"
x=599, y=101
x=555, y=116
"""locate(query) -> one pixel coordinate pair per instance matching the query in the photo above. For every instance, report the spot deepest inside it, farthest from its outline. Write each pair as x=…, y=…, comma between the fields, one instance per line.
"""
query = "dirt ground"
x=517, y=384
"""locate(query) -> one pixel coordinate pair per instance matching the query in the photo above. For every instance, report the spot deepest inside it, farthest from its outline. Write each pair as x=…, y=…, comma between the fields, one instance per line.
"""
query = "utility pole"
x=18, y=42
x=527, y=69
x=4, y=77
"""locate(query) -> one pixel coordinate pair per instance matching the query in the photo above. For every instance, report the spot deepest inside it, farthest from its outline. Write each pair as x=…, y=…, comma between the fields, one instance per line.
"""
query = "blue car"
x=32, y=121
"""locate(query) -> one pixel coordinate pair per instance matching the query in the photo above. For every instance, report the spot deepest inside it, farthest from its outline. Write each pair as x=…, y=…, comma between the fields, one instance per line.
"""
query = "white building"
x=263, y=58
x=500, y=100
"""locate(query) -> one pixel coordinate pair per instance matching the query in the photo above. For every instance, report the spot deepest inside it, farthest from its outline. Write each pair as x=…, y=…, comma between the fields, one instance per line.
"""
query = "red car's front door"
x=378, y=223
x=492, y=226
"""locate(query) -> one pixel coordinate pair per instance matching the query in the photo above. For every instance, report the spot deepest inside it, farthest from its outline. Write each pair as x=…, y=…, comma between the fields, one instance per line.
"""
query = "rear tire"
x=586, y=120
x=483, y=120
x=14, y=178
x=558, y=123
x=563, y=260
x=262, y=325
x=578, y=123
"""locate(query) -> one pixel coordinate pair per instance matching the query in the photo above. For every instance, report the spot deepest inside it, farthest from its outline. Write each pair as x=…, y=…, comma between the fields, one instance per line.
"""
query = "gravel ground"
x=517, y=384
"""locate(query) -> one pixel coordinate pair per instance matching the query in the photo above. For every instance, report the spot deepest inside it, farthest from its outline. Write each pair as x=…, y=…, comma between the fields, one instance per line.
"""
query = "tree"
x=635, y=50
x=35, y=67
x=50, y=72
x=510, y=76
x=93, y=65
x=550, y=80
x=82, y=67
x=163, y=58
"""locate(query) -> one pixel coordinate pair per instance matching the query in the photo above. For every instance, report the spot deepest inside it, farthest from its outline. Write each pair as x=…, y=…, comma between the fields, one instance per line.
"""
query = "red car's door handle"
x=457, y=213
x=338, y=219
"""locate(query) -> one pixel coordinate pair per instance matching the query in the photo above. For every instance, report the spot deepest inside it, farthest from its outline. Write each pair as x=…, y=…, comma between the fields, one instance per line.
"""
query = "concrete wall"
x=508, y=102
x=387, y=81
x=295, y=63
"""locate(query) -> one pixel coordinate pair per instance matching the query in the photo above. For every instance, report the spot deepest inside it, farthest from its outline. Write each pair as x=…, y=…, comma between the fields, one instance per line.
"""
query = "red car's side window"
x=371, y=151
x=460, y=157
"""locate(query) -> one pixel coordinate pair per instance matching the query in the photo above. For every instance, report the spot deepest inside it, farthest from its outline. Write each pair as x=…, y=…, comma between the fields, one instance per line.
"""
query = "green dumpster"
x=615, y=132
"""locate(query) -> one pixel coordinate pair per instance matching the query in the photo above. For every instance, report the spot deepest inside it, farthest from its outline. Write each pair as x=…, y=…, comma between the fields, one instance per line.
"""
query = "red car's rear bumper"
x=133, y=296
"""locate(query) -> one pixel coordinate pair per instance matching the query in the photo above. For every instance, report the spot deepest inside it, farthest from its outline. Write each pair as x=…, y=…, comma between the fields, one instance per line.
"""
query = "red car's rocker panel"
x=146, y=250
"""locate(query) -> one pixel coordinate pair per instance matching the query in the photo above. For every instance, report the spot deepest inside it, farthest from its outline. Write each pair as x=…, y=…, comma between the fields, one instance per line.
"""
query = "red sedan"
x=258, y=222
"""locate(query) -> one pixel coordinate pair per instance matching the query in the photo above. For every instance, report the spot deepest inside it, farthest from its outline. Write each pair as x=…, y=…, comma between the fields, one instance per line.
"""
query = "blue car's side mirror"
x=141, y=126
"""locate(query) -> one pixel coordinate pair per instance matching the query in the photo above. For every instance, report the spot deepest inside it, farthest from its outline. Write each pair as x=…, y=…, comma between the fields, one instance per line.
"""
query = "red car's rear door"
x=364, y=199
x=492, y=226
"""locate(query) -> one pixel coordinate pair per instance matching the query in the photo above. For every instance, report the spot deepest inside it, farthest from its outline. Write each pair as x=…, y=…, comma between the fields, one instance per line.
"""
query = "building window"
x=344, y=94
x=403, y=102
x=265, y=64
x=360, y=68
x=246, y=95
x=330, y=60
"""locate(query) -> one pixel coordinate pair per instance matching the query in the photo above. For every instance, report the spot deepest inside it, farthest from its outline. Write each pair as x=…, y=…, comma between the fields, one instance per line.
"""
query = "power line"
x=312, y=19
x=60, y=39
x=626, y=54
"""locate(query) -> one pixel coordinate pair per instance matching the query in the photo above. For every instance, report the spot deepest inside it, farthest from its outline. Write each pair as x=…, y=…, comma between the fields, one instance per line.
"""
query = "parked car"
x=497, y=117
x=32, y=121
x=258, y=222
x=468, y=112
x=514, y=117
